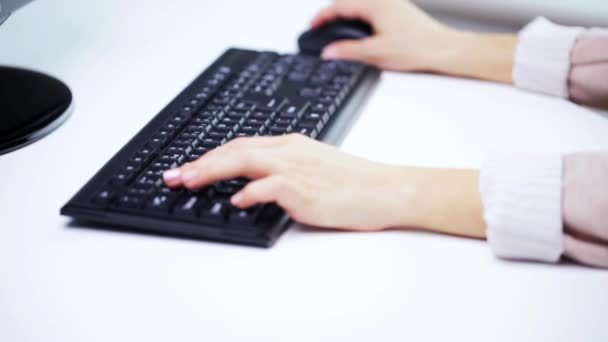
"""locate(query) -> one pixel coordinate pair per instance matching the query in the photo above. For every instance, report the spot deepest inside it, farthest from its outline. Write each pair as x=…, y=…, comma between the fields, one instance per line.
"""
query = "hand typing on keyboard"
x=321, y=186
x=314, y=182
x=243, y=94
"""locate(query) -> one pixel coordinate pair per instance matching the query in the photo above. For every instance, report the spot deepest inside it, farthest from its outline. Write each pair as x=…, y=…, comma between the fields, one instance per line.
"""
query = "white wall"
x=518, y=12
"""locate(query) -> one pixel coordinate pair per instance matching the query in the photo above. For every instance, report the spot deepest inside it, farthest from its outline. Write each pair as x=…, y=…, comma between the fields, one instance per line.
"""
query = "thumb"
x=359, y=50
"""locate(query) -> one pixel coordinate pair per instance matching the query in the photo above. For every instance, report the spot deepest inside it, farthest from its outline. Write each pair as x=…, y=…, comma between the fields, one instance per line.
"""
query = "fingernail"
x=171, y=175
x=236, y=199
x=189, y=175
x=330, y=53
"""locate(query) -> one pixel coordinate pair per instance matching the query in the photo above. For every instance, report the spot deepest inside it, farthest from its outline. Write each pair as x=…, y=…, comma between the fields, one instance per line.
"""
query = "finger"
x=259, y=141
x=248, y=163
x=275, y=188
x=175, y=177
x=349, y=10
x=325, y=15
x=363, y=50
x=224, y=164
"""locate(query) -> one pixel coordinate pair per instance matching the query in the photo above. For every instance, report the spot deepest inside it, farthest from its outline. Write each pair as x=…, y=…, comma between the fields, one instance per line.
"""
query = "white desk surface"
x=124, y=60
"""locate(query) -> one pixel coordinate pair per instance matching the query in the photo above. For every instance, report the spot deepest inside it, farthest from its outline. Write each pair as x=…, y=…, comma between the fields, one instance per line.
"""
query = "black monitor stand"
x=32, y=105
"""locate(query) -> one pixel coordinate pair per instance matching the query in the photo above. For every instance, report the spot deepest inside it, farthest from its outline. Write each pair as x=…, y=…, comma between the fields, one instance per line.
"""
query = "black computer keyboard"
x=242, y=94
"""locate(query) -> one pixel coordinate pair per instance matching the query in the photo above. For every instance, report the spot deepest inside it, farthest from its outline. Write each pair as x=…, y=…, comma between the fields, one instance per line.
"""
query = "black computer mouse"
x=313, y=41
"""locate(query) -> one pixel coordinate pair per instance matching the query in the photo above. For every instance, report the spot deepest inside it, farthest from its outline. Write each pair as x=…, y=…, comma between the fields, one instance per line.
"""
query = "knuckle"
x=272, y=140
x=294, y=137
x=281, y=183
x=285, y=138
x=248, y=159
x=196, y=165
x=245, y=159
x=248, y=192
x=237, y=143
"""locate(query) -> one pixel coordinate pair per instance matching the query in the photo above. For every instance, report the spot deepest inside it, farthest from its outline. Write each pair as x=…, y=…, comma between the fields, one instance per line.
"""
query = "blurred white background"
x=517, y=12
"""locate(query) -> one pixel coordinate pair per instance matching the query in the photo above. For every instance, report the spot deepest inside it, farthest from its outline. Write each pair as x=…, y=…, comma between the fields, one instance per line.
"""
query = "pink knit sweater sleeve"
x=585, y=180
x=588, y=77
x=544, y=207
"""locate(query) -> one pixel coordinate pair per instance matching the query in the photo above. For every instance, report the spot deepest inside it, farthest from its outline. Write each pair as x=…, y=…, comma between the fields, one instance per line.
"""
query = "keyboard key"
x=188, y=206
x=211, y=143
x=281, y=121
x=136, y=191
x=269, y=215
x=243, y=135
x=261, y=115
x=176, y=150
x=122, y=178
x=201, y=121
x=298, y=76
x=321, y=107
x=222, y=127
x=228, y=187
x=310, y=132
x=309, y=126
x=244, y=217
x=193, y=157
x=279, y=130
x=104, y=197
x=217, y=135
x=131, y=168
x=160, y=203
x=314, y=116
x=256, y=122
x=178, y=120
x=306, y=124
x=130, y=202
x=325, y=118
x=228, y=136
x=145, y=183
x=200, y=150
x=232, y=121
x=234, y=114
x=250, y=129
x=309, y=92
x=140, y=158
x=171, y=158
x=158, y=141
x=294, y=111
x=215, y=213
x=244, y=106
x=224, y=70
x=181, y=143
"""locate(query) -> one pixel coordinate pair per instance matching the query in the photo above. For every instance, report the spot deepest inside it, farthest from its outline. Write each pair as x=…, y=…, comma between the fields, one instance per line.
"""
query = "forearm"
x=477, y=55
x=441, y=200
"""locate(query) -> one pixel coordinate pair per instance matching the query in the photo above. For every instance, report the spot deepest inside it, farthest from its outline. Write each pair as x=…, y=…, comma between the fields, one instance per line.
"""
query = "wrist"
x=440, y=200
x=407, y=207
x=484, y=56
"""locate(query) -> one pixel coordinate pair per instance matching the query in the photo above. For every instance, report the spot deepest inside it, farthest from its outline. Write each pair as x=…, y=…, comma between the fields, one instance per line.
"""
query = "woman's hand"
x=318, y=185
x=315, y=183
x=407, y=39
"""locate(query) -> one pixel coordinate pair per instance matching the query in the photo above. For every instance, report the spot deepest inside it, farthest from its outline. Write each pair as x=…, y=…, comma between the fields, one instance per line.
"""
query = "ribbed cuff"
x=542, y=57
x=521, y=197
